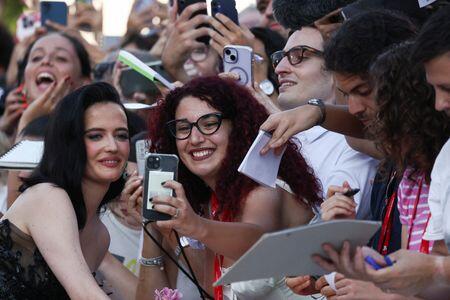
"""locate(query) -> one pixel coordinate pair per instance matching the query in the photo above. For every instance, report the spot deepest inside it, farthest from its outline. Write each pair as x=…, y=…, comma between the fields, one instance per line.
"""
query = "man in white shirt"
x=301, y=73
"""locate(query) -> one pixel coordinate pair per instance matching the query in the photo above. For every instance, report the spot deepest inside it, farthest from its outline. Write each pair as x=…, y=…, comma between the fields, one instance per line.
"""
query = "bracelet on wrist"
x=157, y=261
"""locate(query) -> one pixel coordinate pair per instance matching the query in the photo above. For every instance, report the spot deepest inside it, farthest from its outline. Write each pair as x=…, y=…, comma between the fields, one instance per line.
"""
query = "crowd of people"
x=356, y=95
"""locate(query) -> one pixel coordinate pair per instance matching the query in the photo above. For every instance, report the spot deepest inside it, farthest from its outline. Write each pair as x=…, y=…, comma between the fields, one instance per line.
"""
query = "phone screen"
x=155, y=178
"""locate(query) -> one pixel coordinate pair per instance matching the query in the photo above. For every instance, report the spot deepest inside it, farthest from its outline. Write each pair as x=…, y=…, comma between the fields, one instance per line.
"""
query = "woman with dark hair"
x=52, y=238
x=54, y=65
x=210, y=123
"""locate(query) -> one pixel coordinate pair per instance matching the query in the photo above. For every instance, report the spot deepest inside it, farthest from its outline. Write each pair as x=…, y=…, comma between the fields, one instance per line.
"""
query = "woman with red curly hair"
x=210, y=123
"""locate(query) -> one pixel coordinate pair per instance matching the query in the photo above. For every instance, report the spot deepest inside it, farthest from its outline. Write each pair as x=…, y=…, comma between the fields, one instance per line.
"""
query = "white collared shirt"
x=334, y=162
x=438, y=198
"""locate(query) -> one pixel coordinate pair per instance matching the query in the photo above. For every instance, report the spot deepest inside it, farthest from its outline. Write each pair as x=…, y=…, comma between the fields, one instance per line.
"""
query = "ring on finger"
x=177, y=213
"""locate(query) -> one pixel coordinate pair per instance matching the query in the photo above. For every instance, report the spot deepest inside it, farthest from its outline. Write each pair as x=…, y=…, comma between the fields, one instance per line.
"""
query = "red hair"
x=246, y=114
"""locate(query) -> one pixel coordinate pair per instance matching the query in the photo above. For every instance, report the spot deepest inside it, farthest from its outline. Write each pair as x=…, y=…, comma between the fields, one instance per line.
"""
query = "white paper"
x=261, y=168
x=288, y=252
x=155, y=178
x=137, y=106
x=423, y=3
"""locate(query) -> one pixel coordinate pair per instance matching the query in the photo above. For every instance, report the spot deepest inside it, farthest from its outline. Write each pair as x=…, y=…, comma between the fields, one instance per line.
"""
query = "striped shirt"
x=407, y=196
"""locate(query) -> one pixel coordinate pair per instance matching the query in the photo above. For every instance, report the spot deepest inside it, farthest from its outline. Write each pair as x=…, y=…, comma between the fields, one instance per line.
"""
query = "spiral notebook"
x=24, y=155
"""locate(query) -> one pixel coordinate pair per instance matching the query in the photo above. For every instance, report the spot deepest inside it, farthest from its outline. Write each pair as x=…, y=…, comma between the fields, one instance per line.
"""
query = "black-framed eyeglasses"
x=207, y=124
x=295, y=55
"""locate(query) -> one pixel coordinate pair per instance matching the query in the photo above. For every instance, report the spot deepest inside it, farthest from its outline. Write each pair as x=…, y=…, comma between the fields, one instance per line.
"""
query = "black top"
x=24, y=274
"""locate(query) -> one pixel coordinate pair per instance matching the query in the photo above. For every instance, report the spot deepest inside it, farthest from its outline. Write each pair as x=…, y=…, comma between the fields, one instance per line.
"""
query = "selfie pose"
x=210, y=123
x=52, y=239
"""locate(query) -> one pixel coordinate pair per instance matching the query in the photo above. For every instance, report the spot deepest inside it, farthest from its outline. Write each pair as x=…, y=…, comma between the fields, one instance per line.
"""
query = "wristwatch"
x=319, y=103
x=267, y=87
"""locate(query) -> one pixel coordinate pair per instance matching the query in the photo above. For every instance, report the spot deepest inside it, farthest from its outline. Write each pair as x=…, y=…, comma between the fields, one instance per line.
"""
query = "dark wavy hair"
x=407, y=129
x=246, y=114
x=434, y=37
x=361, y=39
x=64, y=160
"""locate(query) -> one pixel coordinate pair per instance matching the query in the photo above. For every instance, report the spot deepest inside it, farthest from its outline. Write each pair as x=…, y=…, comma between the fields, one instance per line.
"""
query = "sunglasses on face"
x=207, y=125
x=295, y=55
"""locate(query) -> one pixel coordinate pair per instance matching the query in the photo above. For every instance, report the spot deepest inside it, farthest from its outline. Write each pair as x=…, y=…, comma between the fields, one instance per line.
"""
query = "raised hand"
x=14, y=107
x=228, y=33
x=46, y=103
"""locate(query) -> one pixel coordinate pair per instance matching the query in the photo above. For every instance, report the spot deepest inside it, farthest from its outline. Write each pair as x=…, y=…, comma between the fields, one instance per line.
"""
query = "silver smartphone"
x=158, y=169
x=238, y=59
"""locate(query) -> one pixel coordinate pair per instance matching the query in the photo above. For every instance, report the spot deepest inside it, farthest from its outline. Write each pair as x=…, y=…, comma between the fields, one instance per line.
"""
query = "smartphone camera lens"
x=153, y=163
x=233, y=57
x=227, y=52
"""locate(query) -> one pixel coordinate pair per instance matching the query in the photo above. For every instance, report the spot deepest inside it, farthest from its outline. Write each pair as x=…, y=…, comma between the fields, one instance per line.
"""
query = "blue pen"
x=374, y=265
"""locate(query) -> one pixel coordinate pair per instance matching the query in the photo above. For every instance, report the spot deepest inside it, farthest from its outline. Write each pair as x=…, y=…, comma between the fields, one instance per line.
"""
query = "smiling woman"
x=53, y=66
x=52, y=238
x=210, y=123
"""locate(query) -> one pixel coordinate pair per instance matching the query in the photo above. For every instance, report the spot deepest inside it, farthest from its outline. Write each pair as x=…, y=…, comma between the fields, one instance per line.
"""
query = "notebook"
x=288, y=252
x=261, y=168
x=24, y=155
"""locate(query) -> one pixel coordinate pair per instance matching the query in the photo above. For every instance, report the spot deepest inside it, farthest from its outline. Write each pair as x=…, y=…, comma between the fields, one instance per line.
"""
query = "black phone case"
x=168, y=163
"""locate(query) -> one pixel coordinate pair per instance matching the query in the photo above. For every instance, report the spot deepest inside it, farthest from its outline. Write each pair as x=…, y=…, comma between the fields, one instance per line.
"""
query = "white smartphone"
x=238, y=59
x=158, y=169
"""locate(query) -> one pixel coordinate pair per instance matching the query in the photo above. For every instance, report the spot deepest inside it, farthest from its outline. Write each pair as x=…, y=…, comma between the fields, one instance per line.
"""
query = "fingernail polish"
x=163, y=183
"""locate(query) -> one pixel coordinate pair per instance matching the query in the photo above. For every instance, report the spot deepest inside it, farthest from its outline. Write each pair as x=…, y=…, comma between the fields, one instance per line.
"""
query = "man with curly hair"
x=415, y=273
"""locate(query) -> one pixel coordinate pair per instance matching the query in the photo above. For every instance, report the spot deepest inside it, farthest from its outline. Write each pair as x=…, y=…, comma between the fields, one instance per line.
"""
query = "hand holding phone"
x=239, y=59
x=224, y=7
x=183, y=4
x=159, y=168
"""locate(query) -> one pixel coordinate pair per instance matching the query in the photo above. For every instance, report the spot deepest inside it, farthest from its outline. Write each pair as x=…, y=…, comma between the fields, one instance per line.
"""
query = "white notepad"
x=288, y=252
x=261, y=168
x=24, y=155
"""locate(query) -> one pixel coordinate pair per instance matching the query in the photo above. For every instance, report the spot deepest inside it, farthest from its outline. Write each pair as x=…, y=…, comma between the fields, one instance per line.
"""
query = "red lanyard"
x=424, y=244
x=386, y=226
x=225, y=216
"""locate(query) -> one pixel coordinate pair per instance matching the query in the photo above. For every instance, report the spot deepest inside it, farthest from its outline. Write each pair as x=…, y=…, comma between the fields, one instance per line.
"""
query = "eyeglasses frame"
x=304, y=48
x=218, y=114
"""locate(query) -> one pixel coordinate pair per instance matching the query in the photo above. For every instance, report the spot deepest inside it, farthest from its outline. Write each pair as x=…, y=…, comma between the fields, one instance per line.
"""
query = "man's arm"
x=285, y=124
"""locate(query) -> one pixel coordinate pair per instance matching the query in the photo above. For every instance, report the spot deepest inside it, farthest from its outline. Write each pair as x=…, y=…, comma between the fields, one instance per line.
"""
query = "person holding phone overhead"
x=210, y=123
x=51, y=238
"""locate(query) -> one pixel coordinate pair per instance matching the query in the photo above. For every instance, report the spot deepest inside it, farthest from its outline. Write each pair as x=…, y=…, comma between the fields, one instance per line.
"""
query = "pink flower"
x=168, y=294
